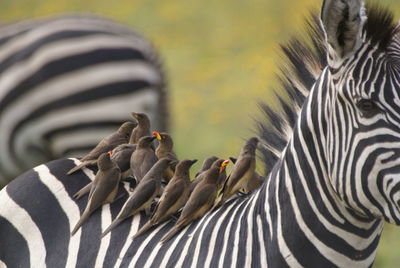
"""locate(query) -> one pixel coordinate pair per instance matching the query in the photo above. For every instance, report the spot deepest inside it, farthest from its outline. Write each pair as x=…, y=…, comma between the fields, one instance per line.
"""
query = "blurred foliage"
x=221, y=57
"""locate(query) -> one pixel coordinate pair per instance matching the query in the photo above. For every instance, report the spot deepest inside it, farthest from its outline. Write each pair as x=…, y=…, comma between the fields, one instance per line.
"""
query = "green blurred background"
x=221, y=58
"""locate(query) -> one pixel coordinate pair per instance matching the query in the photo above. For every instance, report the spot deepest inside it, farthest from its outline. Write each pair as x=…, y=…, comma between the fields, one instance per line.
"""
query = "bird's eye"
x=367, y=107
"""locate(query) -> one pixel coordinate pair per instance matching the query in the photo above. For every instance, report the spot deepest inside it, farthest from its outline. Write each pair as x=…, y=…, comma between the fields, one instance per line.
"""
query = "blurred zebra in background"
x=68, y=81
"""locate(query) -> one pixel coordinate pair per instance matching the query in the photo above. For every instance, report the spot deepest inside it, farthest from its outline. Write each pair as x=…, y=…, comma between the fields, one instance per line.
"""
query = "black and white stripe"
x=68, y=81
x=332, y=184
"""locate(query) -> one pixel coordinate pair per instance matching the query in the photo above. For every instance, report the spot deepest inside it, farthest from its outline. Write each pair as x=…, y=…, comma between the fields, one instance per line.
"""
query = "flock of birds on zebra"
x=159, y=173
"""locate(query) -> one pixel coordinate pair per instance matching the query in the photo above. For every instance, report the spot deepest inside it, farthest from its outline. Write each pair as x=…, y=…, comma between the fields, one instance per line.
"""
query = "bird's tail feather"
x=112, y=226
x=82, y=191
x=81, y=165
x=171, y=233
x=144, y=229
x=83, y=218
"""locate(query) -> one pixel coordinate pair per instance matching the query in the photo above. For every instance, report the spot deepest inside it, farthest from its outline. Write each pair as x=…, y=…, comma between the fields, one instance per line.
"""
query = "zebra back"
x=66, y=82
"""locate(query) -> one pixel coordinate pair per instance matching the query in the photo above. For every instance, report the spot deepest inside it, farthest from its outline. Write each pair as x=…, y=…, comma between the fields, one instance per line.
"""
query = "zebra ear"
x=342, y=21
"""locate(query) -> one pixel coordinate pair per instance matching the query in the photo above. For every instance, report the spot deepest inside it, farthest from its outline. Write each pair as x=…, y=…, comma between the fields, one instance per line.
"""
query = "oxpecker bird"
x=174, y=197
x=105, y=145
x=254, y=183
x=143, y=158
x=206, y=165
x=104, y=188
x=143, y=195
x=201, y=199
x=121, y=155
x=165, y=149
x=142, y=129
x=241, y=172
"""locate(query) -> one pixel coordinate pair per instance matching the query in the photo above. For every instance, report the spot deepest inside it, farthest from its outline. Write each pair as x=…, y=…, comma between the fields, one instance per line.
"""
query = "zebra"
x=332, y=154
x=66, y=82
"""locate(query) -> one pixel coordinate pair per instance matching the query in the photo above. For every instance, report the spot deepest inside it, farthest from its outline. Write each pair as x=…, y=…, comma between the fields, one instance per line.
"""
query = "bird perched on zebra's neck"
x=107, y=144
x=174, y=197
x=143, y=195
x=201, y=199
x=242, y=172
x=165, y=149
x=103, y=189
x=200, y=174
x=143, y=158
x=254, y=183
x=142, y=129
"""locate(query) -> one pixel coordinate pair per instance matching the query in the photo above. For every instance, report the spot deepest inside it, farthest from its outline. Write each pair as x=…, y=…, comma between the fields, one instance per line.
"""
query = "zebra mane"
x=304, y=58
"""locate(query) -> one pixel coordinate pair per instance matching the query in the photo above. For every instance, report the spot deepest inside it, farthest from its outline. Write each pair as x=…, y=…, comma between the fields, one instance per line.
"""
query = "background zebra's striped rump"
x=66, y=82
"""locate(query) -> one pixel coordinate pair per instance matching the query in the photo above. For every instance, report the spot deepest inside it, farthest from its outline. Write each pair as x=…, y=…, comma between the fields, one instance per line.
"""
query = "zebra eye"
x=367, y=107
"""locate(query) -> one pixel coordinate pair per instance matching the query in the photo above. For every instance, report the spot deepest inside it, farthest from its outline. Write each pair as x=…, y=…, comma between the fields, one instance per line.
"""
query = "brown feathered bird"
x=142, y=129
x=254, y=183
x=205, y=167
x=173, y=198
x=143, y=158
x=105, y=145
x=104, y=188
x=200, y=201
x=143, y=195
x=200, y=174
x=165, y=149
x=241, y=172
x=121, y=156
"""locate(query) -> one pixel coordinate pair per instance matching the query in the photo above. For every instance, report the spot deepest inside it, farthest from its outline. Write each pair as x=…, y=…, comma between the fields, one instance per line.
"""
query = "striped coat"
x=68, y=81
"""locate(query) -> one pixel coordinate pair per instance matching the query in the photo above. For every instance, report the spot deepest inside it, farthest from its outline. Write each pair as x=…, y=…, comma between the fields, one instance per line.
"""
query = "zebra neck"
x=306, y=220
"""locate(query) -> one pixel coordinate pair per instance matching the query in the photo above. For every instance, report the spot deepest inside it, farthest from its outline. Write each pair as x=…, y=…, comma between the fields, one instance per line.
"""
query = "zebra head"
x=363, y=107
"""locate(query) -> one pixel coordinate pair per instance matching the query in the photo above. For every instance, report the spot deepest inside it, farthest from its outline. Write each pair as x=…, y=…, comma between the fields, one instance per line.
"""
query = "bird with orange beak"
x=165, y=149
x=174, y=197
x=242, y=171
x=201, y=200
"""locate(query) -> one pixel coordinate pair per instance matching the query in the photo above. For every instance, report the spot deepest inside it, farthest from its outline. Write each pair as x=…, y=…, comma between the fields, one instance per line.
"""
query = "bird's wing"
x=171, y=194
x=143, y=192
x=240, y=168
x=203, y=195
x=149, y=160
x=102, y=189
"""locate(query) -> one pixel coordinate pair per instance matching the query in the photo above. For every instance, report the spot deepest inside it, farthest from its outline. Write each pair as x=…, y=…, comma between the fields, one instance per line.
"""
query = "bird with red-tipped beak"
x=242, y=171
x=165, y=149
x=201, y=200
x=174, y=196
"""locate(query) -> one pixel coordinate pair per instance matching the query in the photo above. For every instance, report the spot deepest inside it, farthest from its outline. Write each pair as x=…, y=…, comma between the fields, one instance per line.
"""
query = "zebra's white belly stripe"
x=2, y=264
x=105, y=241
x=250, y=229
x=171, y=249
x=203, y=225
x=237, y=237
x=24, y=224
x=215, y=232
x=134, y=227
x=263, y=246
x=185, y=250
x=70, y=208
x=226, y=234
x=154, y=251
